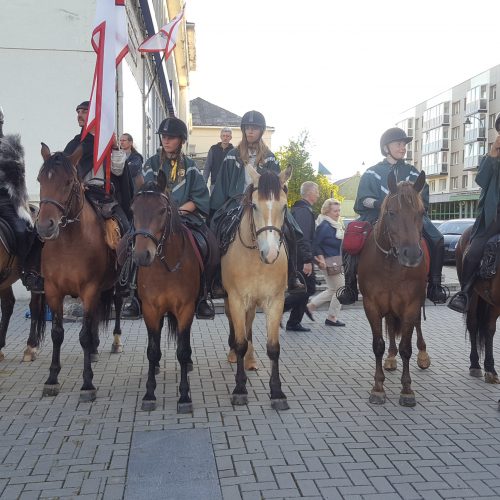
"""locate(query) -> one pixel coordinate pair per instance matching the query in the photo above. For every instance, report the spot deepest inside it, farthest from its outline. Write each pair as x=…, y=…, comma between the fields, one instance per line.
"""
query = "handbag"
x=355, y=236
x=333, y=265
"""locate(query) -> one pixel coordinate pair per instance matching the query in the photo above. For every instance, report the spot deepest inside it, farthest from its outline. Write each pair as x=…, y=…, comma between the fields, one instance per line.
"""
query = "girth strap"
x=195, y=247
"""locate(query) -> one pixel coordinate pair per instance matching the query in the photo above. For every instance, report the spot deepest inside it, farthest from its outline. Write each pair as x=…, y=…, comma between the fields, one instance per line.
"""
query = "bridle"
x=167, y=232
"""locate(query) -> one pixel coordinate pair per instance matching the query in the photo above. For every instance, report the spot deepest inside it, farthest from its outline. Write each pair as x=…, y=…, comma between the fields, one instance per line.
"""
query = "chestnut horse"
x=254, y=274
x=393, y=278
x=76, y=261
x=481, y=317
x=168, y=281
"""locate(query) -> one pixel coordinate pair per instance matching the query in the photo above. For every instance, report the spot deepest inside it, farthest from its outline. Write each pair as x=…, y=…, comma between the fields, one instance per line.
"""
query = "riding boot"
x=348, y=294
x=218, y=291
x=436, y=292
x=295, y=284
x=205, y=307
x=31, y=265
x=133, y=309
x=460, y=301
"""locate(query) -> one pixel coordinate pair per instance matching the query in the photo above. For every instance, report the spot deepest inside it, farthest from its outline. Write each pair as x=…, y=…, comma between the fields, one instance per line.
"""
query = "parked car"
x=451, y=231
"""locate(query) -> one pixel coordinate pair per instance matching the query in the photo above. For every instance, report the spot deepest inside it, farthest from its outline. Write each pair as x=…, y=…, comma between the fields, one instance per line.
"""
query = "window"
x=416, y=123
x=465, y=180
x=442, y=184
x=455, y=133
x=493, y=92
x=491, y=121
x=432, y=186
x=455, y=108
x=454, y=158
x=454, y=183
x=415, y=145
x=474, y=179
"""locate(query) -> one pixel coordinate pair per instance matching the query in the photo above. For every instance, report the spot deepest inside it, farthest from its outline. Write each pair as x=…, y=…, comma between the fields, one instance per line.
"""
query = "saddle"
x=490, y=259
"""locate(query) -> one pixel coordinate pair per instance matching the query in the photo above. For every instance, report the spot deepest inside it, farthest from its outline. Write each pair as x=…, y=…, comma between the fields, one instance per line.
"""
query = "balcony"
x=436, y=170
x=436, y=146
x=478, y=106
x=475, y=134
x=437, y=121
x=472, y=162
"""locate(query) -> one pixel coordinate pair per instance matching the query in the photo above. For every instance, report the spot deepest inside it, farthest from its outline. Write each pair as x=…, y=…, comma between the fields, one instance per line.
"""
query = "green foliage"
x=296, y=155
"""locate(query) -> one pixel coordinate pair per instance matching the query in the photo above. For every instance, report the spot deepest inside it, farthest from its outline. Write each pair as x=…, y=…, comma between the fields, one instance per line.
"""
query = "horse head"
x=155, y=219
x=401, y=222
x=268, y=203
x=61, y=192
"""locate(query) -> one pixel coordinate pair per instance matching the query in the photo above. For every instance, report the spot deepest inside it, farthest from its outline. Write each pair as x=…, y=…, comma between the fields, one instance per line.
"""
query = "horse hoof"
x=87, y=396
x=491, y=378
x=29, y=355
x=148, y=405
x=377, y=398
x=407, y=400
x=231, y=356
x=390, y=364
x=116, y=348
x=423, y=360
x=51, y=390
x=157, y=370
x=476, y=372
x=239, y=399
x=251, y=365
x=185, y=407
x=279, y=404
x=94, y=357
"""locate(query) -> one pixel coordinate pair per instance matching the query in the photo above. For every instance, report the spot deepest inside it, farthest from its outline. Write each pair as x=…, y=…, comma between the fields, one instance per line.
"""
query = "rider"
x=233, y=180
x=372, y=190
x=187, y=187
x=487, y=223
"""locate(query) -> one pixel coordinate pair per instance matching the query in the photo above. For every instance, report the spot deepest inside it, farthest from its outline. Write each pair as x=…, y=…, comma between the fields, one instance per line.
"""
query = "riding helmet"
x=394, y=134
x=253, y=118
x=497, y=123
x=173, y=127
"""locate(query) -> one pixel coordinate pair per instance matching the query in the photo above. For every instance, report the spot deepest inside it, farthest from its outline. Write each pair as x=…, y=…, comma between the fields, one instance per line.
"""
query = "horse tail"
x=392, y=323
x=105, y=306
x=173, y=327
x=483, y=310
x=40, y=319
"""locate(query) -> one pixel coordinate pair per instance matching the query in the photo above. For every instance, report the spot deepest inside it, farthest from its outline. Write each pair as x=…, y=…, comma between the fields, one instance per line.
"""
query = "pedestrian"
x=327, y=244
x=487, y=223
x=372, y=190
x=302, y=212
x=216, y=155
x=133, y=160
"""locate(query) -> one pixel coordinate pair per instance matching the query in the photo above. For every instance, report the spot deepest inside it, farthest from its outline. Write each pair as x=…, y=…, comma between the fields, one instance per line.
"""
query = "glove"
x=118, y=158
x=377, y=204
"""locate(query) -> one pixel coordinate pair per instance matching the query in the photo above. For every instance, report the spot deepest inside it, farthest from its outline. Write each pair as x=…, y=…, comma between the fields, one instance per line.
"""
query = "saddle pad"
x=7, y=237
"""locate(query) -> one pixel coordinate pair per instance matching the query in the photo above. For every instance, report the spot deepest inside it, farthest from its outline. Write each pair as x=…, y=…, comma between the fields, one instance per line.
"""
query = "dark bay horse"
x=168, y=281
x=481, y=317
x=254, y=274
x=76, y=261
x=393, y=278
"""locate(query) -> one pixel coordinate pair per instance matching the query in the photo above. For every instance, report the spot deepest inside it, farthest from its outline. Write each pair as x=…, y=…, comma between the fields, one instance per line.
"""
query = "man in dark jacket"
x=304, y=216
x=216, y=155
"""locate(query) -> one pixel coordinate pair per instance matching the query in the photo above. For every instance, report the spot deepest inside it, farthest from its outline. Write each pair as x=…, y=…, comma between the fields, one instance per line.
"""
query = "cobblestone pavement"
x=331, y=443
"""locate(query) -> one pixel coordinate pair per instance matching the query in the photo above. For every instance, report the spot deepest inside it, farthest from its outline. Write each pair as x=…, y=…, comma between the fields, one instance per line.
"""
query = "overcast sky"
x=343, y=71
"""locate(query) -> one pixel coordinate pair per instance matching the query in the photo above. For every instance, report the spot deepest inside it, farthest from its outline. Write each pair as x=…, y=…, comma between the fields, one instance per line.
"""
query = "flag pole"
x=170, y=106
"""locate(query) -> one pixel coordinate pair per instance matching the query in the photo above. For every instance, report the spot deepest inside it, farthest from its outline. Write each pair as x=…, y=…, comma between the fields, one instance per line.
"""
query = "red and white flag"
x=110, y=42
x=165, y=39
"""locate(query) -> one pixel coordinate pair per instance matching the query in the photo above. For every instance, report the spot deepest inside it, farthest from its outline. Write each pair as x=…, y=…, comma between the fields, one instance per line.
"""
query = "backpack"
x=355, y=236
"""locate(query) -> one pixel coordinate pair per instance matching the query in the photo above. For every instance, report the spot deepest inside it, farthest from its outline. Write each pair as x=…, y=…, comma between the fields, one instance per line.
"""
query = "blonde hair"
x=262, y=151
x=327, y=205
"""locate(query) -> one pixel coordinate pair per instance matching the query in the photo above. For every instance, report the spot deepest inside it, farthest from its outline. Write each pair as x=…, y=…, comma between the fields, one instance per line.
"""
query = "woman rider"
x=187, y=188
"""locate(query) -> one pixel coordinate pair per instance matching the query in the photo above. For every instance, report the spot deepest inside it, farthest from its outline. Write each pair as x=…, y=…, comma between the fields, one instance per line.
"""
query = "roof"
x=206, y=114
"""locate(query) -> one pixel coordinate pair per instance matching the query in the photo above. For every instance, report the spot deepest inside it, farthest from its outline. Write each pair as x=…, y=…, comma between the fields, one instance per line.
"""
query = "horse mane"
x=407, y=197
x=155, y=188
x=55, y=161
x=269, y=185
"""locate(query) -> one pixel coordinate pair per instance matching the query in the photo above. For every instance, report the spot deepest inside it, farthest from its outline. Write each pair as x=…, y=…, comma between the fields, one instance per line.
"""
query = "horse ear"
x=161, y=180
x=45, y=151
x=254, y=175
x=76, y=155
x=420, y=182
x=391, y=182
x=285, y=175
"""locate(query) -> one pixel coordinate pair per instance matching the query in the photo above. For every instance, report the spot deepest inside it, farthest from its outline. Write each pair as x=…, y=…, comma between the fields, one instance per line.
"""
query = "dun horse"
x=392, y=280
x=168, y=281
x=254, y=274
x=481, y=318
x=76, y=261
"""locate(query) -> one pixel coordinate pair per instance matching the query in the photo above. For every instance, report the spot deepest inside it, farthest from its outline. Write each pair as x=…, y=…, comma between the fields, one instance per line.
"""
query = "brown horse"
x=481, y=317
x=254, y=274
x=76, y=261
x=393, y=278
x=168, y=281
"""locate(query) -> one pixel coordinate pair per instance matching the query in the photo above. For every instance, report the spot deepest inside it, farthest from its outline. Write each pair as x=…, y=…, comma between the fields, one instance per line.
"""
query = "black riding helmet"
x=174, y=127
x=253, y=118
x=394, y=134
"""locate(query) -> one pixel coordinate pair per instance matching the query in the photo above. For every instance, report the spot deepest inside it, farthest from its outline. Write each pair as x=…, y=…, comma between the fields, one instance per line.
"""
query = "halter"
x=167, y=232
x=65, y=208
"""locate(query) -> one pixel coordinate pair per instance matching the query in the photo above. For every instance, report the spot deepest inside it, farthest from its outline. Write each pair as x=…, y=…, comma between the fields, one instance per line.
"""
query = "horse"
x=481, y=317
x=76, y=261
x=392, y=279
x=254, y=274
x=168, y=281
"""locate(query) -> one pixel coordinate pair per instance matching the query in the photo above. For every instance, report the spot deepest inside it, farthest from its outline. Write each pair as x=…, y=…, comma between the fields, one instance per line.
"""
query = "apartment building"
x=451, y=133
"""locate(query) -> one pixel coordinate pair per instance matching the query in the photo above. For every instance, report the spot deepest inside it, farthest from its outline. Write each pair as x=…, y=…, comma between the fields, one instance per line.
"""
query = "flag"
x=165, y=39
x=110, y=43
x=323, y=170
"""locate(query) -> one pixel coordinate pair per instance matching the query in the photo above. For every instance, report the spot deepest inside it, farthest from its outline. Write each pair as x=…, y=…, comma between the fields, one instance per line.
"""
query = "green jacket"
x=188, y=184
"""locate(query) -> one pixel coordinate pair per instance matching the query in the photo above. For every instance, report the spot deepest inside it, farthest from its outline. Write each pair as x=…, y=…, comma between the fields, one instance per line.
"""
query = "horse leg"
x=37, y=326
x=7, y=300
x=423, y=359
x=51, y=387
x=473, y=329
x=154, y=355
x=391, y=362
x=87, y=341
x=117, y=346
x=377, y=395
x=250, y=361
x=407, y=396
x=240, y=393
x=273, y=317
x=490, y=375
x=184, y=405
x=231, y=355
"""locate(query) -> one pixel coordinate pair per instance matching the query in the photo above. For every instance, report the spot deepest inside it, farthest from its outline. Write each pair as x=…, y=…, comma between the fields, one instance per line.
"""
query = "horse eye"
x=162, y=210
x=254, y=206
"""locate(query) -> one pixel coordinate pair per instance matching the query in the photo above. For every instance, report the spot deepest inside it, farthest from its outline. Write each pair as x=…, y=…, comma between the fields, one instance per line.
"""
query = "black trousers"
x=296, y=303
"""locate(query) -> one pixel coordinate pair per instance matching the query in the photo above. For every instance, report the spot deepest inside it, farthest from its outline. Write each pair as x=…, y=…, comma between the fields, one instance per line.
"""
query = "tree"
x=296, y=155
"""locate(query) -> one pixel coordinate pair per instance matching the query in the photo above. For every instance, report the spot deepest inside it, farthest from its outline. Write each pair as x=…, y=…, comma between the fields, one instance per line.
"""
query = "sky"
x=341, y=71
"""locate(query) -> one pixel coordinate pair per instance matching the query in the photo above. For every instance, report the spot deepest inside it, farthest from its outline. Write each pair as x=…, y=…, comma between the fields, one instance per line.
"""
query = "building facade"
x=451, y=133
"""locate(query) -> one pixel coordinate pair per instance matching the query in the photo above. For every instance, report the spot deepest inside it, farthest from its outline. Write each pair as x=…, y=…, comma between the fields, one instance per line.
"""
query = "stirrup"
x=460, y=307
x=33, y=282
x=205, y=309
x=438, y=294
x=346, y=295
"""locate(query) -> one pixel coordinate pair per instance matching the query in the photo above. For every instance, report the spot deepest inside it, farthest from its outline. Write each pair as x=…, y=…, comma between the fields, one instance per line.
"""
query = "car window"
x=454, y=227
